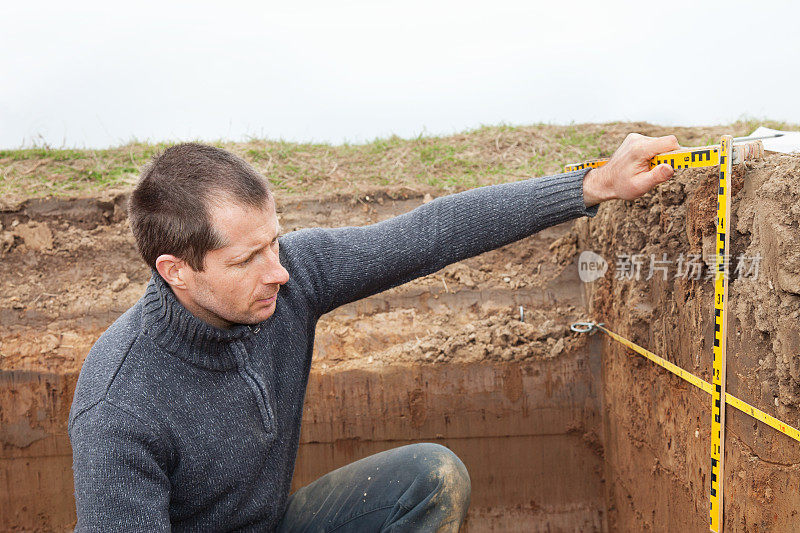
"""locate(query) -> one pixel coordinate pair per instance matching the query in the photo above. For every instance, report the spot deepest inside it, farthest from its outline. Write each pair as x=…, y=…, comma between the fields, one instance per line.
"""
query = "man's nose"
x=275, y=273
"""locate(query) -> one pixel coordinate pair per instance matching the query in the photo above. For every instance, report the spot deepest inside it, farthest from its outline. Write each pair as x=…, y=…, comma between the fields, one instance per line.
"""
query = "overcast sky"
x=94, y=74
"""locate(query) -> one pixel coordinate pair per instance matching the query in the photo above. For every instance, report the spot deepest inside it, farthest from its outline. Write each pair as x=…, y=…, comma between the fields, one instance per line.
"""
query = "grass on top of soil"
x=490, y=154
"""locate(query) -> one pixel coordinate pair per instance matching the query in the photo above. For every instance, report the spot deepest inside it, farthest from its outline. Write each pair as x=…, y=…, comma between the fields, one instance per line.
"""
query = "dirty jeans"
x=420, y=487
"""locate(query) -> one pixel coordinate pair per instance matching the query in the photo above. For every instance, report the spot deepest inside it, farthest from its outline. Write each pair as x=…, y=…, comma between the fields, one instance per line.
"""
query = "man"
x=186, y=415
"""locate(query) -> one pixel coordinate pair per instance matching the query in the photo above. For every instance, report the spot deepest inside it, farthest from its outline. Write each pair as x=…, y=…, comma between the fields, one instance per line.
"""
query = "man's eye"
x=246, y=261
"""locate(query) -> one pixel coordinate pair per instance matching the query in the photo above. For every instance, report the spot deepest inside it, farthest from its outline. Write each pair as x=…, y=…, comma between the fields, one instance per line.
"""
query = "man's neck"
x=201, y=312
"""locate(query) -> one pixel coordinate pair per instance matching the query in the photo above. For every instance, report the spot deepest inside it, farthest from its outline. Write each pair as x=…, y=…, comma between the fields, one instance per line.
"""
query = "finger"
x=658, y=175
x=631, y=137
x=659, y=145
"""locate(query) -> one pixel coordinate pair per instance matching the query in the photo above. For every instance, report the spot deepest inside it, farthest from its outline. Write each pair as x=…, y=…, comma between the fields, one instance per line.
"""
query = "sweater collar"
x=180, y=333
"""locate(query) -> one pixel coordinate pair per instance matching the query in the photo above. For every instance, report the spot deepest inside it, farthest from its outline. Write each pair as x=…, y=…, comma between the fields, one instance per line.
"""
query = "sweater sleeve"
x=338, y=266
x=120, y=479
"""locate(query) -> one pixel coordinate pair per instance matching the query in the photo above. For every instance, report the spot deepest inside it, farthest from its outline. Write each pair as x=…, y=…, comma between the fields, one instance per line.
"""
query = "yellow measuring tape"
x=700, y=383
x=725, y=156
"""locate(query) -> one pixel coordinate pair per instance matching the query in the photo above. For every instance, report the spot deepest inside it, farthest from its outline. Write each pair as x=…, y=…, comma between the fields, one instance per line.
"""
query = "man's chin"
x=258, y=312
x=263, y=310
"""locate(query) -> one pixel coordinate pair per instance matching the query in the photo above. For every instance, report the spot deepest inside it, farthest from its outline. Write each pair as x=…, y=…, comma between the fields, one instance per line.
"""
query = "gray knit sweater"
x=179, y=425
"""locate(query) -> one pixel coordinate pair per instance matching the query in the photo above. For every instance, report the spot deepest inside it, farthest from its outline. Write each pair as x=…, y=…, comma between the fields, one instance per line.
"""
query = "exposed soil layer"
x=656, y=426
x=447, y=358
x=69, y=275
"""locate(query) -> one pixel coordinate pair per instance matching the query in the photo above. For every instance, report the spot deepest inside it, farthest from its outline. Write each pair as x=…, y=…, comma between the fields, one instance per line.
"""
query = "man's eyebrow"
x=240, y=258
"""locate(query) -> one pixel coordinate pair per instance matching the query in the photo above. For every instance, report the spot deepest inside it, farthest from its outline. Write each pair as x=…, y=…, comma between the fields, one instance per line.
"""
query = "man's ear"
x=175, y=271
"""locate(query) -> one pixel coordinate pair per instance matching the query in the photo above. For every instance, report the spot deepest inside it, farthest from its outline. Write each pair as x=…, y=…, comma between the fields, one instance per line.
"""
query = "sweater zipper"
x=257, y=387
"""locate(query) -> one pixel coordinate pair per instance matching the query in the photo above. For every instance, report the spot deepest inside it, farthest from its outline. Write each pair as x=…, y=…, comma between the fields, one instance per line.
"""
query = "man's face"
x=240, y=281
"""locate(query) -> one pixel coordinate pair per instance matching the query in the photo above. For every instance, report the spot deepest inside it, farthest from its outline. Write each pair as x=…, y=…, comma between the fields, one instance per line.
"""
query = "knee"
x=443, y=469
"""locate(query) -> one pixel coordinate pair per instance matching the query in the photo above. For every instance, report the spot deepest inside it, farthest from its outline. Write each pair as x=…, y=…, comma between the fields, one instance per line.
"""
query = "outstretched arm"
x=341, y=265
x=338, y=266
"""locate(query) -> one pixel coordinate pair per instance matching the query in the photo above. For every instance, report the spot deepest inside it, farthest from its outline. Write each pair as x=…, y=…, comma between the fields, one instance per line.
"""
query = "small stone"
x=6, y=241
x=557, y=348
x=49, y=343
x=120, y=283
x=507, y=279
x=427, y=198
x=37, y=237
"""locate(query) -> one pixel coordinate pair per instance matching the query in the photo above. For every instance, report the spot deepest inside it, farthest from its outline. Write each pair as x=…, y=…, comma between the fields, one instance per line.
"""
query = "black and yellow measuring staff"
x=716, y=503
x=699, y=157
x=725, y=156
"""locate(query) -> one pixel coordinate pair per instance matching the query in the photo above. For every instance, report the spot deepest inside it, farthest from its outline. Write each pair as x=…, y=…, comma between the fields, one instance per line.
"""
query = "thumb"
x=658, y=175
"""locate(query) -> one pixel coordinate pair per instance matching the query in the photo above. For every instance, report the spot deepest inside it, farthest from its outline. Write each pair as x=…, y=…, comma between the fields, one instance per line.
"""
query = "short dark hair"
x=169, y=209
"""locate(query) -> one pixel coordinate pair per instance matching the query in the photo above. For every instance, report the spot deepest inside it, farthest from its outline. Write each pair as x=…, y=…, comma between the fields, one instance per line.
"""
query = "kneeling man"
x=186, y=415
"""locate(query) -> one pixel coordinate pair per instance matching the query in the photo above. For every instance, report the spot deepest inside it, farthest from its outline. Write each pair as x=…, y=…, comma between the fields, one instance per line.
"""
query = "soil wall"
x=443, y=359
x=528, y=433
x=656, y=426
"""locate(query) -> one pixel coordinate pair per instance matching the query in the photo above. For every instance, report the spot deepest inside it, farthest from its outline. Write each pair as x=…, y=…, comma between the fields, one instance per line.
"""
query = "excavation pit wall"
x=526, y=431
x=656, y=426
x=560, y=432
x=443, y=359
